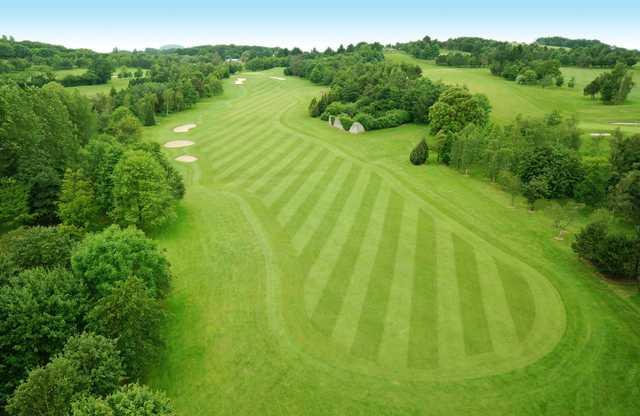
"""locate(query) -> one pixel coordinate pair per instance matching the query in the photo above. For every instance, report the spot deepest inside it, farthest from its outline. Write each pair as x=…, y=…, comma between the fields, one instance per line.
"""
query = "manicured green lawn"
x=509, y=99
x=319, y=273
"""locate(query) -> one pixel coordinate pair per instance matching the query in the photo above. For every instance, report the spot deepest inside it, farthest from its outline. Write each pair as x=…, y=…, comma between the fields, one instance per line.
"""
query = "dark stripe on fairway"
x=303, y=176
x=306, y=207
x=519, y=299
x=423, y=335
x=319, y=239
x=281, y=171
x=477, y=338
x=330, y=304
x=371, y=324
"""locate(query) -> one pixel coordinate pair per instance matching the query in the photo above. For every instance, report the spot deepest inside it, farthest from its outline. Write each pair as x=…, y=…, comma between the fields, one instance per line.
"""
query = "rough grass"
x=321, y=273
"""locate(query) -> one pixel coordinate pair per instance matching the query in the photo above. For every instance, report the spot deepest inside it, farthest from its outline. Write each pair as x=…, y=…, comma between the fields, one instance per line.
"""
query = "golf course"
x=319, y=272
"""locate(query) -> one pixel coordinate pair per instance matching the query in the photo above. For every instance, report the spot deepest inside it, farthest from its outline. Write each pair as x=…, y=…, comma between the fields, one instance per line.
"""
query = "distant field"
x=91, y=90
x=319, y=273
x=509, y=99
x=61, y=73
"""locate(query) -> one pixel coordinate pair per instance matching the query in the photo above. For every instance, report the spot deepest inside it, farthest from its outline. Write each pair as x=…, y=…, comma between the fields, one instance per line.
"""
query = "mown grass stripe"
x=450, y=332
x=395, y=339
x=374, y=310
x=423, y=339
x=328, y=247
x=477, y=339
x=273, y=175
x=322, y=205
x=253, y=155
x=346, y=326
x=501, y=327
x=340, y=249
x=301, y=169
x=519, y=298
x=261, y=168
x=289, y=203
x=230, y=153
x=248, y=155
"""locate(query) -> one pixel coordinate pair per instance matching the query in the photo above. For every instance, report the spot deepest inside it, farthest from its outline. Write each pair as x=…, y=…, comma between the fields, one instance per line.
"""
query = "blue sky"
x=139, y=24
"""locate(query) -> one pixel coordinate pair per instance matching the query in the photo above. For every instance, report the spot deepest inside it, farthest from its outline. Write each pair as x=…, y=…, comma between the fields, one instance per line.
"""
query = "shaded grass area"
x=320, y=273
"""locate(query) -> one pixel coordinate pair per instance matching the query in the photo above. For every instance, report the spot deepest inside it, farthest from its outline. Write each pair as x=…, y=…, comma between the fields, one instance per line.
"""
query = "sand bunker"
x=278, y=78
x=626, y=124
x=600, y=134
x=174, y=144
x=240, y=81
x=186, y=158
x=184, y=128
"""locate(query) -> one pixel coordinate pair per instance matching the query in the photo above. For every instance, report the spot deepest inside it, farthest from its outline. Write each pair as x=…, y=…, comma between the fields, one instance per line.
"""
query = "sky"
x=140, y=24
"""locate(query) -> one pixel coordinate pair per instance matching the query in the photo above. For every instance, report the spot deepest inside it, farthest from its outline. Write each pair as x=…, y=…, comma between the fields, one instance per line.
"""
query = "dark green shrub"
x=346, y=121
x=420, y=153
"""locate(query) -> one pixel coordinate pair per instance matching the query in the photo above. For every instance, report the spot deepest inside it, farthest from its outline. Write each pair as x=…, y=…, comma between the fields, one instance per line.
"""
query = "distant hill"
x=169, y=47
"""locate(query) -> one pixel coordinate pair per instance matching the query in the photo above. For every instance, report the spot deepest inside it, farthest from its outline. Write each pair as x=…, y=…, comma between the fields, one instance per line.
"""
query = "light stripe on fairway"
x=395, y=339
x=477, y=339
x=374, y=310
x=450, y=332
x=301, y=166
x=220, y=160
x=251, y=156
x=270, y=177
x=423, y=340
x=305, y=185
x=258, y=170
x=501, y=328
x=347, y=325
x=321, y=268
x=344, y=242
x=321, y=208
x=345, y=330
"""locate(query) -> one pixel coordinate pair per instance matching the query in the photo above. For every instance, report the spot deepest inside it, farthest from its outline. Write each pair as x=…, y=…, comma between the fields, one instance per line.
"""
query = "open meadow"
x=317, y=272
x=509, y=99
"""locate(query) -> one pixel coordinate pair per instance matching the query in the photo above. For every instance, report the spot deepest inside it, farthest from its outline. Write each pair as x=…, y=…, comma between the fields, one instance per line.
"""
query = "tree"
x=420, y=154
x=562, y=214
x=30, y=247
x=626, y=198
x=131, y=315
x=125, y=126
x=572, y=82
x=537, y=188
x=47, y=391
x=559, y=81
x=116, y=254
x=39, y=310
x=90, y=364
x=613, y=87
x=91, y=406
x=511, y=183
x=594, y=186
x=141, y=194
x=14, y=202
x=97, y=361
x=134, y=399
x=457, y=107
x=77, y=205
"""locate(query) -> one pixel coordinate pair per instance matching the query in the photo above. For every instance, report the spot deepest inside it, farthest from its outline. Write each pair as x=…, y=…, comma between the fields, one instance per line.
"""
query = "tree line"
x=81, y=286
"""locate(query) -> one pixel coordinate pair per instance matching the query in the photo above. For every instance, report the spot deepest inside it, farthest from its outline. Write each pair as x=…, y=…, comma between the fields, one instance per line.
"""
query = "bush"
x=118, y=254
x=367, y=121
x=420, y=154
x=615, y=255
x=346, y=121
x=30, y=247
